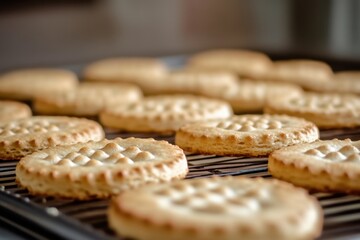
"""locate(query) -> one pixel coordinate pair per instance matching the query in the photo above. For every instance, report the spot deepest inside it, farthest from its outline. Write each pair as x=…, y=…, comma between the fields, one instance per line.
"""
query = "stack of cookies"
x=63, y=153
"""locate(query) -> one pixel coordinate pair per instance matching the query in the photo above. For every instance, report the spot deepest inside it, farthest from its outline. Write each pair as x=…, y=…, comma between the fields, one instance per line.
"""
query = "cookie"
x=245, y=135
x=343, y=82
x=331, y=165
x=164, y=114
x=144, y=72
x=326, y=110
x=87, y=100
x=196, y=81
x=100, y=169
x=24, y=136
x=245, y=63
x=28, y=83
x=217, y=208
x=249, y=96
x=301, y=72
x=11, y=110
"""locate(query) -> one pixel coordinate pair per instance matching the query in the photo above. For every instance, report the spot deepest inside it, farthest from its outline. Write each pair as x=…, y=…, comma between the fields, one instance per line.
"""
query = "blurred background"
x=62, y=32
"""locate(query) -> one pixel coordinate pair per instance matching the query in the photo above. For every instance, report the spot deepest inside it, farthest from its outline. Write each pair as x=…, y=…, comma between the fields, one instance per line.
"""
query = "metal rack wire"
x=50, y=218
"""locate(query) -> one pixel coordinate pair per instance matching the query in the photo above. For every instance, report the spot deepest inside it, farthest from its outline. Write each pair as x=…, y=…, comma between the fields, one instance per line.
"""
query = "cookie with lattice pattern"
x=100, y=169
x=147, y=73
x=245, y=135
x=11, y=110
x=164, y=113
x=88, y=99
x=217, y=208
x=244, y=63
x=24, y=136
x=326, y=110
x=332, y=165
x=26, y=84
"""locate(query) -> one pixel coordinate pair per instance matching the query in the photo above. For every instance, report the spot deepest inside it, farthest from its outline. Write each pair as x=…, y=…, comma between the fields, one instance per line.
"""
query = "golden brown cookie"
x=217, y=208
x=245, y=63
x=21, y=137
x=11, y=110
x=144, y=72
x=100, y=169
x=326, y=110
x=164, y=114
x=25, y=84
x=332, y=165
x=88, y=99
x=245, y=135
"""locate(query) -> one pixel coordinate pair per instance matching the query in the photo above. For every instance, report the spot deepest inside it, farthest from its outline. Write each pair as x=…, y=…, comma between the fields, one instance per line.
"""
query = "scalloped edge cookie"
x=42, y=176
x=237, y=139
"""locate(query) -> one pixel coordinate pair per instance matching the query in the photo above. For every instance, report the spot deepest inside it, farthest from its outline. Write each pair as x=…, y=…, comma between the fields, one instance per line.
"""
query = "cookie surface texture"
x=26, y=84
x=145, y=72
x=100, y=169
x=217, y=208
x=329, y=166
x=24, y=136
x=244, y=63
x=245, y=135
x=326, y=110
x=88, y=99
x=164, y=114
x=11, y=110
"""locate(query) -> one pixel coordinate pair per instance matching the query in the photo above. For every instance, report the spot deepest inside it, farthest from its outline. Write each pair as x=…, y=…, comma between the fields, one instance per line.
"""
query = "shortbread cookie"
x=24, y=136
x=145, y=72
x=325, y=110
x=197, y=81
x=11, y=110
x=100, y=169
x=217, y=208
x=302, y=72
x=164, y=114
x=245, y=63
x=245, y=135
x=88, y=99
x=28, y=83
x=332, y=165
x=343, y=82
x=249, y=96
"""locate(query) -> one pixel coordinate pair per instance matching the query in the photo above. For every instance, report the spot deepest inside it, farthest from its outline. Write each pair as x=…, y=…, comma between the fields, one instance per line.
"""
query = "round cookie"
x=245, y=63
x=21, y=137
x=331, y=165
x=144, y=72
x=87, y=100
x=100, y=169
x=11, y=110
x=164, y=114
x=26, y=84
x=217, y=208
x=304, y=73
x=245, y=135
x=326, y=110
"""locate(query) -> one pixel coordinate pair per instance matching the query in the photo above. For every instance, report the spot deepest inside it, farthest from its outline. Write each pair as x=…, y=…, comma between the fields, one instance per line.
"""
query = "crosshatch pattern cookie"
x=22, y=137
x=217, y=208
x=301, y=72
x=100, y=169
x=88, y=99
x=164, y=114
x=325, y=110
x=332, y=165
x=145, y=72
x=245, y=135
x=245, y=63
x=28, y=83
x=11, y=110
x=249, y=96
